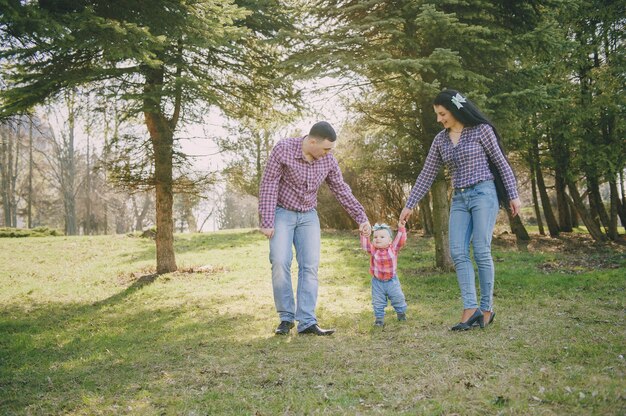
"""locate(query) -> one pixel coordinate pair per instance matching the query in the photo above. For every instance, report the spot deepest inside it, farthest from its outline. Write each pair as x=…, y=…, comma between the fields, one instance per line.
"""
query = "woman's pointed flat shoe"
x=477, y=317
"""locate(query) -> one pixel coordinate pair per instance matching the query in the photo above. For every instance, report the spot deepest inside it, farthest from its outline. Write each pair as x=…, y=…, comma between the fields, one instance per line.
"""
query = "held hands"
x=365, y=228
x=515, y=205
x=401, y=223
x=404, y=215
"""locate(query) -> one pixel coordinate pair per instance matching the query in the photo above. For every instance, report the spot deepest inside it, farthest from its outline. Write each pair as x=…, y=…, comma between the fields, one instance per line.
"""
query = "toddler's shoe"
x=401, y=316
x=379, y=322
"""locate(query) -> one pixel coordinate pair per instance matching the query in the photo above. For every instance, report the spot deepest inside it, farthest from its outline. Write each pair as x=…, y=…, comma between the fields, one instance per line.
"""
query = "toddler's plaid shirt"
x=384, y=261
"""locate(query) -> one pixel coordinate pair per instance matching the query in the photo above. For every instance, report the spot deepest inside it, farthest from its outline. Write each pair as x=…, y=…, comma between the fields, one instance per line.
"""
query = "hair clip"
x=457, y=100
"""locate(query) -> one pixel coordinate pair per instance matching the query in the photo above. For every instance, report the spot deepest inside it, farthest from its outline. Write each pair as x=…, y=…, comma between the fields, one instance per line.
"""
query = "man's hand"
x=405, y=214
x=268, y=232
x=365, y=228
x=401, y=224
x=515, y=205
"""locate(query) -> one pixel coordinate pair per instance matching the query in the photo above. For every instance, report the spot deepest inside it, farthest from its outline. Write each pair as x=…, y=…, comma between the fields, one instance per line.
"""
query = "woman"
x=465, y=146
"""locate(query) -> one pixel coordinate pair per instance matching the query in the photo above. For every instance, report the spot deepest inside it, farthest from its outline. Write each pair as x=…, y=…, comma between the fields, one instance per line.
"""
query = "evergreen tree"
x=406, y=52
x=165, y=58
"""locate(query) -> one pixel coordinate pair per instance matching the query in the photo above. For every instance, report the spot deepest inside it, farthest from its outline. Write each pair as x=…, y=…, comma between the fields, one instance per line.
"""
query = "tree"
x=165, y=58
x=404, y=52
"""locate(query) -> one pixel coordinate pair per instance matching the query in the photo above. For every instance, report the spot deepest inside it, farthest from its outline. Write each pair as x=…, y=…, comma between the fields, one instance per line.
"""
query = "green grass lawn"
x=85, y=329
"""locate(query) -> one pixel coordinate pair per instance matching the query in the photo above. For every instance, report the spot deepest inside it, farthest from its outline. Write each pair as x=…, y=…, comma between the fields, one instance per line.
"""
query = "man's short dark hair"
x=323, y=130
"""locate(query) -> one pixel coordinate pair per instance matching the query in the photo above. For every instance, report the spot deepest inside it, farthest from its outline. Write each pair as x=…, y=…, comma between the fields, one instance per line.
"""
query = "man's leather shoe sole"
x=316, y=330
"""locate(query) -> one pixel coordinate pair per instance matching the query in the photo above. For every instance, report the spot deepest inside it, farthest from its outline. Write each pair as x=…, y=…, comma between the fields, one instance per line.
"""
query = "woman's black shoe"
x=493, y=315
x=476, y=317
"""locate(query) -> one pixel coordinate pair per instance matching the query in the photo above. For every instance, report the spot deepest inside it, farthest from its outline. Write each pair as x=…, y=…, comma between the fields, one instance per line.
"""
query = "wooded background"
x=128, y=76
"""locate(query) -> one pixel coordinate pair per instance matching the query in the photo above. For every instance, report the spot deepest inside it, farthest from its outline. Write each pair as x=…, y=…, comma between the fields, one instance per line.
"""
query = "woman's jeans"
x=472, y=219
x=387, y=289
x=301, y=230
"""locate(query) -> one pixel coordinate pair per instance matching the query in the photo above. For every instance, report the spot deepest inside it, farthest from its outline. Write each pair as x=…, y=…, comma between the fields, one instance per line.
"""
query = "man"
x=287, y=200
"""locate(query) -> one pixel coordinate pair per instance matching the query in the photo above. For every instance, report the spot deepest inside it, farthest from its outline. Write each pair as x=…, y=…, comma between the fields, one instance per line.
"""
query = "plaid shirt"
x=291, y=182
x=384, y=261
x=467, y=162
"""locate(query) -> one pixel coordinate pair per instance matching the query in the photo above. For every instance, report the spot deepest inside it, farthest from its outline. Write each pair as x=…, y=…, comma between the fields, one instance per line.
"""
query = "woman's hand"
x=405, y=214
x=365, y=228
x=515, y=205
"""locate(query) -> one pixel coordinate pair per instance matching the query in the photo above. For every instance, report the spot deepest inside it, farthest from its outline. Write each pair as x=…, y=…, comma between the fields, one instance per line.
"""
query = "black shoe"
x=493, y=315
x=401, y=316
x=379, y=322
x=314, y=329
x=476, y=317
x=283, y=328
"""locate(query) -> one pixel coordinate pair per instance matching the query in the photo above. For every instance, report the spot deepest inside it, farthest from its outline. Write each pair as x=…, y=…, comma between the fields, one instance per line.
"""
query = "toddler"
x=383, y=264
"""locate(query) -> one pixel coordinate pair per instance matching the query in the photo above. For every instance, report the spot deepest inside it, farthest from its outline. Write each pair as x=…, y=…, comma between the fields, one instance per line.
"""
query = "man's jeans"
x=387, y=289
x=472, y=218
x=302, y=230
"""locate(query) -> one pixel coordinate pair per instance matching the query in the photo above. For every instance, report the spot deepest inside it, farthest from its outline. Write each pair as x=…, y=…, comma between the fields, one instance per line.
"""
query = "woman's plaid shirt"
x=384, y=261
x=466, y=162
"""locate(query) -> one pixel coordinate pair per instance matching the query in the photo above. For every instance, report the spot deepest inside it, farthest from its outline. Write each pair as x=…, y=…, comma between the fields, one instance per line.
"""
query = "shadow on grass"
x=200, y=242
x=54, y=357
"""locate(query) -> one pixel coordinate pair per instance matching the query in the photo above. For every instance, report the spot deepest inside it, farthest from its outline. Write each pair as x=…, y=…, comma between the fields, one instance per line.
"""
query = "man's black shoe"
x=283, y=328
x=314, y=329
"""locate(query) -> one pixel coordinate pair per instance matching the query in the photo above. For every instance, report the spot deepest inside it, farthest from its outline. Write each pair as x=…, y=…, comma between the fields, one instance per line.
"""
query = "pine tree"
x=167, y=59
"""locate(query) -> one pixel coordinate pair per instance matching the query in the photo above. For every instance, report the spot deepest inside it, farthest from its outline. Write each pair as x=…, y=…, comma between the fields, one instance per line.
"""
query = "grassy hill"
x=86, y=328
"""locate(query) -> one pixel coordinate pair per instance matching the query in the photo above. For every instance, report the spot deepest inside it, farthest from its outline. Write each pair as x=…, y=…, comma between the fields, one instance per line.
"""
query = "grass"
x=87, y=329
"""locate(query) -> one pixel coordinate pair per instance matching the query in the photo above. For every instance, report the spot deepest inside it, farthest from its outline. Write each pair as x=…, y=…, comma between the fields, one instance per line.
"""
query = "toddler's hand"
x=401, y=223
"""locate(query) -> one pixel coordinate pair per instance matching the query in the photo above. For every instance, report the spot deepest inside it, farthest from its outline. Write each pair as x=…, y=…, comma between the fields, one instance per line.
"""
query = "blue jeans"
x=302, y=230
x=387, y=289
x=472, y=219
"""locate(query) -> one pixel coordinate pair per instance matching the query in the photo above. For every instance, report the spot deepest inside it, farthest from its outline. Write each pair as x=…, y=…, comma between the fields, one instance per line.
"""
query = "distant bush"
x=6, y=232
x=147, y=233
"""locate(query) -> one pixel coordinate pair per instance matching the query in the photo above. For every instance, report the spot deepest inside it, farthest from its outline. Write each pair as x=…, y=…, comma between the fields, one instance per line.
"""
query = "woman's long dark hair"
x=470, y=115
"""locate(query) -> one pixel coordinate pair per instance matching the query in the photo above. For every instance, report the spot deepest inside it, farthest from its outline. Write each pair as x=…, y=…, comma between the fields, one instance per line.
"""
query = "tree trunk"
x=5, y=163
x=68, y=169
x=561, y=156
x=563, y=206
x=441, y=218
x=30, y=173
x=13, y=177
x=533, y=181
x=613, y=234
x=162, y=137
x=592, y=226
x=596, y=206
x=140, y=216
x=621, y=204
x=426, y=216
x=553, y=227
x=517, y=227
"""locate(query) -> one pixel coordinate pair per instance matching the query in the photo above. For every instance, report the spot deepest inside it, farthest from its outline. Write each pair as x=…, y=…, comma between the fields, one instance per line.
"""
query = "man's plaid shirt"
x=291, y=182
x=466, y=162
x=384, y=261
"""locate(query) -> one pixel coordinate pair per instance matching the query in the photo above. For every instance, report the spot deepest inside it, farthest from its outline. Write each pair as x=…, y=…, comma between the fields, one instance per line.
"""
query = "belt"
x=467, y=188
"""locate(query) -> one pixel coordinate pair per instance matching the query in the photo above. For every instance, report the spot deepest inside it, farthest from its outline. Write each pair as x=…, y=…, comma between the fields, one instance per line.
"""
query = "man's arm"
x=343, y=194
x=268, y=193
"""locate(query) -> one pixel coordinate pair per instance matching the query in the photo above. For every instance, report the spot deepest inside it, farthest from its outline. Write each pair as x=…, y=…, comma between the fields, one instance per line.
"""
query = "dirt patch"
x=578, y=253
